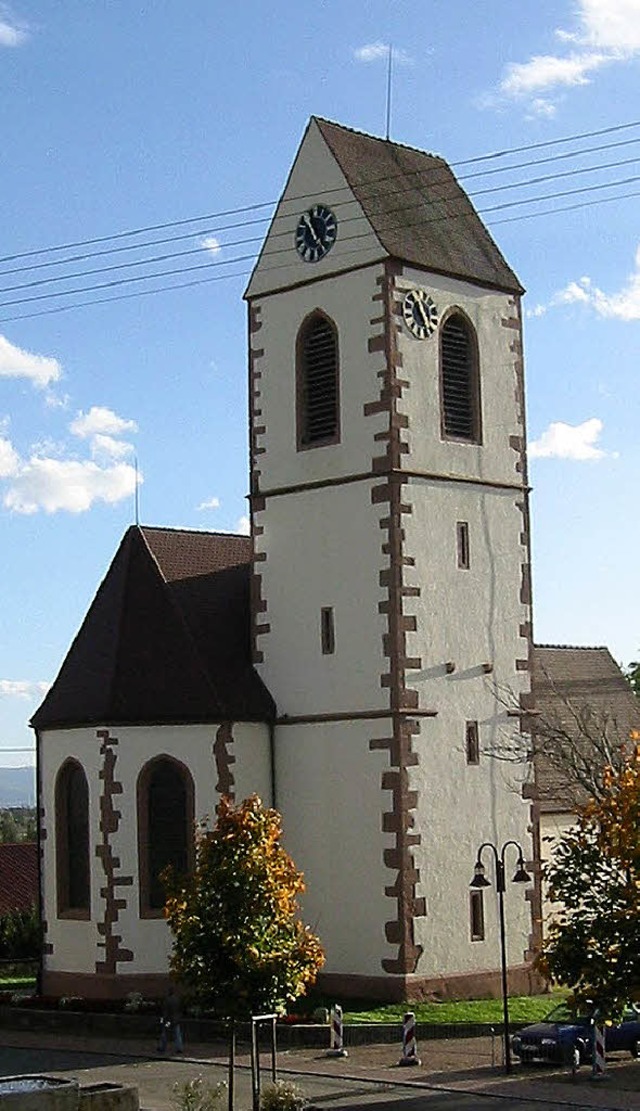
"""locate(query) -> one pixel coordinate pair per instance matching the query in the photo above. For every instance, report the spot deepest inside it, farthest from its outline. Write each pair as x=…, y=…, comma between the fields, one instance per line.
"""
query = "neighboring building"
x=385, y=590
x=18, y=876
x=583, y=706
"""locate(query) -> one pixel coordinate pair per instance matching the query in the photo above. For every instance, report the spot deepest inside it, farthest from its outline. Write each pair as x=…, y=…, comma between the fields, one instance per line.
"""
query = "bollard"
x=409, y=1044
x=599, y=1059
x=336, y=1036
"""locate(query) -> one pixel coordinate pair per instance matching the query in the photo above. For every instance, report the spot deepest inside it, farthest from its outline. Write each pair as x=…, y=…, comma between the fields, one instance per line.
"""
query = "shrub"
x=195, y=1095
x=284, y=1095
x=20, y=934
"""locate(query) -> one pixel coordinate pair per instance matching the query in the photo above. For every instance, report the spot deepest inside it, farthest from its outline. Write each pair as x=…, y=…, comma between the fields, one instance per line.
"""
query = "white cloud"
x=22, y=688
x=9, y=459
x=606, y=32
x=375, y=51
x=543, y=72
x=211, y=503
x=569, y=441
x=542, y=108
x=623, y=305
x=611, y=24
x=210, y=243
x=15, y=362
x=12, y=33
x=243, y=525
x=100, y=420
x=102, y=427
x=106, y=447
x=53, y=485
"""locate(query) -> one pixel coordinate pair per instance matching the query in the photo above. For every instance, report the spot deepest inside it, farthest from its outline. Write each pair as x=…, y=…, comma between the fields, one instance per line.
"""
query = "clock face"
x=316, y=233
x=420, y=313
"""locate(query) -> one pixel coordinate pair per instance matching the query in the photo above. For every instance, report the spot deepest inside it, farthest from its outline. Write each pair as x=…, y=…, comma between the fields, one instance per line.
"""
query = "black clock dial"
x=316, y=233
x=420, y=313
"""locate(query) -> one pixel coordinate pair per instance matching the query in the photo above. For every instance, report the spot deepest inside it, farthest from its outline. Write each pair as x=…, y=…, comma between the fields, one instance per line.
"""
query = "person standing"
x=171, y=1022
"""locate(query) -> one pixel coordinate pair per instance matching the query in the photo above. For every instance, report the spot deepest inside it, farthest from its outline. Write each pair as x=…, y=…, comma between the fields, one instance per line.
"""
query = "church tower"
x=391, y=601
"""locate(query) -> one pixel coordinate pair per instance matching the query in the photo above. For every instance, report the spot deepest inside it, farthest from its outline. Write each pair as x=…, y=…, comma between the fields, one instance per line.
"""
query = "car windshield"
x=561, y=1013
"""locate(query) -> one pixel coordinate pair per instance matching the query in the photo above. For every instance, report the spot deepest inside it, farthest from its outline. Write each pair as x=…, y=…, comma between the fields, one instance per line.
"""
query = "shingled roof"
x=573, y=686
x=18, y=876
x=166, y=639
x=417, y=209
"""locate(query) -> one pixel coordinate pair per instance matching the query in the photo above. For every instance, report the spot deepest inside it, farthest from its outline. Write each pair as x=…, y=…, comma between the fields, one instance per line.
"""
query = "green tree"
x=593, y=945
x=239, y=944
x=632, y=672
x=17, y=823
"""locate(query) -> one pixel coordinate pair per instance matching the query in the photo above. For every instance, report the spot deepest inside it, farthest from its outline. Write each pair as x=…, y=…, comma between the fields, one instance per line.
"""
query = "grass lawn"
x=13, y=983
x=522, y=1008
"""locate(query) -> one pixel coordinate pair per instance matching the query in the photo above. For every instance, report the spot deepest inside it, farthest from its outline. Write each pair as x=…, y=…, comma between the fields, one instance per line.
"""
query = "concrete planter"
x=108, y=1097
x=38, y=1093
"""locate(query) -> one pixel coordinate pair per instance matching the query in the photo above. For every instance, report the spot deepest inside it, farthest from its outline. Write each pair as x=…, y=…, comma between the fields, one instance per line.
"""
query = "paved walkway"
x=370, y=1072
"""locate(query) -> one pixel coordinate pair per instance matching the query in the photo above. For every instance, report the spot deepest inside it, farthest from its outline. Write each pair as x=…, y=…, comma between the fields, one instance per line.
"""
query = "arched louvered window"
x=72, y=841
x=317, y=383
x=459, y=380
x=165, y=828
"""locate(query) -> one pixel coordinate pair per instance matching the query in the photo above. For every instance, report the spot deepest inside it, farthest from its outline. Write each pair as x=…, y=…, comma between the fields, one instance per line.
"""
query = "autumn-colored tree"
x=239, y=944
x=593, y=945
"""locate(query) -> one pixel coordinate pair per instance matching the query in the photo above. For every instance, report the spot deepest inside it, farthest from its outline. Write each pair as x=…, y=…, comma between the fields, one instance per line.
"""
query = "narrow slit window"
x=165, y=828
x=462, y=529
x=476, y=912
x=472, y=743
x=459, y=380
x=72, y=841
x=327, y=631
x=318, y=405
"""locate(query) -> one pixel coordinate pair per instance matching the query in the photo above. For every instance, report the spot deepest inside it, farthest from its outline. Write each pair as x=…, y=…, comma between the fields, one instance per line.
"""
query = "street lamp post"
x=480, y=880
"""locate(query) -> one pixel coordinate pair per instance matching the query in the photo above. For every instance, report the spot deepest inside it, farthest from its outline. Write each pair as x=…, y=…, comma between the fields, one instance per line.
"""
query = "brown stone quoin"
x=114, y=952
x=400, y=818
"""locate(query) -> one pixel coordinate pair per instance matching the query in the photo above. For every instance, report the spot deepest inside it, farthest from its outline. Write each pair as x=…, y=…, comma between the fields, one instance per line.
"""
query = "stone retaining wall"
x=146, y=1027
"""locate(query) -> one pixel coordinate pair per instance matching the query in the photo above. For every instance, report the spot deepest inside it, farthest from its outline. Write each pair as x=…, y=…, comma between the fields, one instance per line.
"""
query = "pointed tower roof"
x=417, y=208
x=166, y=639
x=389, y=200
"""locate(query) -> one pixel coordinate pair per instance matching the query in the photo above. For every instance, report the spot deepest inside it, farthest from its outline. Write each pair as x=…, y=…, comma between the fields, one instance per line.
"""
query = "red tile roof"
x=18, y=876
x=416, y=207
x=577, y=690
x=166, y=639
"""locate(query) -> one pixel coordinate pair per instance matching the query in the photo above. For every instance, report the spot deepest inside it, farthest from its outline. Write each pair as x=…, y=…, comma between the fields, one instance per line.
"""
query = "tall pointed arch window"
x=165, y=828
x=72, y=841
x=317, y=385
x=459, y=380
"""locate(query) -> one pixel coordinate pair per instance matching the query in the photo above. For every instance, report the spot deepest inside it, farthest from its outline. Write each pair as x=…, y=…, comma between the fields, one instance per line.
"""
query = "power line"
x=114, y=237
x=550, y=143
x=133, y=246
x=56, y=279
x=245, y=273
x=564, y=208
x=551, y=158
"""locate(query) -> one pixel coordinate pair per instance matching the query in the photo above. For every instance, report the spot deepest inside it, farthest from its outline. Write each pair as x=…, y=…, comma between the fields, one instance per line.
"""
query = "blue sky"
x=121, y=116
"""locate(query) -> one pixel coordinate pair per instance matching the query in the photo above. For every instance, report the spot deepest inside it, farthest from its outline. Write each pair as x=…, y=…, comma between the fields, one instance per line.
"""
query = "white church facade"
x=346, y=661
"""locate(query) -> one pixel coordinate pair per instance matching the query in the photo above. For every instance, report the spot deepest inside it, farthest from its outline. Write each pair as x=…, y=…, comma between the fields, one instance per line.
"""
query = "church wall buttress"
x=472, y=629
x=399, y=820
x=113, y=902
x=117, y=951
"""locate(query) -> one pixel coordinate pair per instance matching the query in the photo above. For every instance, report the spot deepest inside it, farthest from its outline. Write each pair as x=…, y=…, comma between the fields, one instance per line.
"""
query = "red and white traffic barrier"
x=409, y=1043
x=599, y=1057
x=336, y=1048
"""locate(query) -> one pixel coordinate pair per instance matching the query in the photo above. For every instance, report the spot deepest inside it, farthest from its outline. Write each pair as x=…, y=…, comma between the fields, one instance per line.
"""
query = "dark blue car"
x=565, y=1038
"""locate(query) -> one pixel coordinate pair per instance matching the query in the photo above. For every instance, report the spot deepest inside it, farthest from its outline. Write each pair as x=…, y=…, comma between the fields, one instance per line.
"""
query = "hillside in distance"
x=18, y=786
